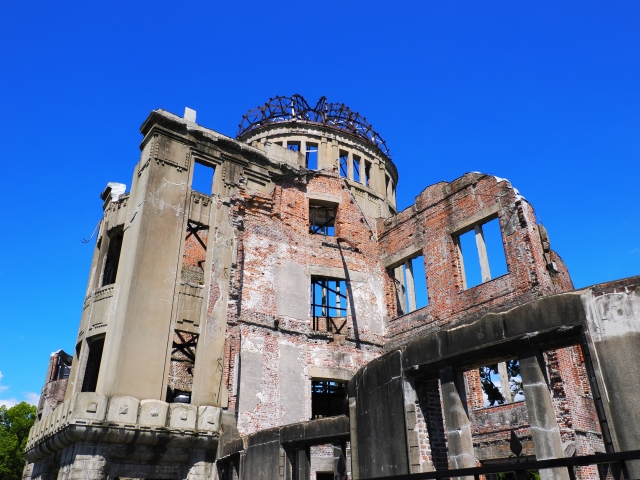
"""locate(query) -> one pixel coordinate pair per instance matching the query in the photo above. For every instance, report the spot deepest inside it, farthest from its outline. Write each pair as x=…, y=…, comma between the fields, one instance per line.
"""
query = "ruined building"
x=257, y=308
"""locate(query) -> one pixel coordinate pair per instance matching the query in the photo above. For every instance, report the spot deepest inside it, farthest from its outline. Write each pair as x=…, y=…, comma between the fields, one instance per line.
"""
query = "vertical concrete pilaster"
x=411, y=288
x=482, y=254
x=504, y=382
x=353, y=430
x=303, y=464
x=544, y=427
x=456, y=417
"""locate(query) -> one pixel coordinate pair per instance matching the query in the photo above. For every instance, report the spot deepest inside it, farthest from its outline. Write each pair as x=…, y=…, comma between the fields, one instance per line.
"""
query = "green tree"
x=494, y=395
x=15, y=423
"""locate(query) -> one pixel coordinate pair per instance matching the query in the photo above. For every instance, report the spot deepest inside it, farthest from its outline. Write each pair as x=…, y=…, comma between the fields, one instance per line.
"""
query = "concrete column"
x=411, y=288
x=350, y=165
x=339, y=461
x=544, y=428
x=400, y=289
x=303, y=464
x=456, y=418
x=353, y=430
x=482, y=253
x=504, y=381
x=463, y=277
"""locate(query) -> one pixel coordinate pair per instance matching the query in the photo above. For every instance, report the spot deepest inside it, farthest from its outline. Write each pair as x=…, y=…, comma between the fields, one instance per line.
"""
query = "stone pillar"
x=353, y=430
x=456, y=418
x=411, y=287
x=303, y=464
x=544, y=428
x=504, y=382
x=482, y=253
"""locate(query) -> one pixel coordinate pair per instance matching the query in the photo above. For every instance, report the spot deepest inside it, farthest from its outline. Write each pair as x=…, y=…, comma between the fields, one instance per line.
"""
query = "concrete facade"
x=213, y=319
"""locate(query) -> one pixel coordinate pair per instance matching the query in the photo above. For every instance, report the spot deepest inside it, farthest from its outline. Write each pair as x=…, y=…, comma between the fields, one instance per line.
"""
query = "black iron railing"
x=614, y=461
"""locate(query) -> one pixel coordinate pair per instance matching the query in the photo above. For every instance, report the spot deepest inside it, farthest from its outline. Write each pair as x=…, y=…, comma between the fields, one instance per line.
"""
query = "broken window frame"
x=332, y=323
x=186, y=348
x=327, y=398
x=192, y=230
x=406, y=294
x=330, y=213
x=481, y=250
x=309, y=149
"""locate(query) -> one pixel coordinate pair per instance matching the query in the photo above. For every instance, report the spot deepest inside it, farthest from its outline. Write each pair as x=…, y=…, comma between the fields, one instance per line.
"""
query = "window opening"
x=324, y=476
x=195, y=253
x=322, y=219
x=415, y=283
x=387, y=181
x=489, y=260
x=113, y=258
x=367, y=173
x=63, y=366
x=312, y=156
x=356, y=168
x=328, y=398
x=501, y=383
x=92, y=369
x=293, y=146
x=202, y=180
x=329, y=305
x=183, y=359
x=344, y=164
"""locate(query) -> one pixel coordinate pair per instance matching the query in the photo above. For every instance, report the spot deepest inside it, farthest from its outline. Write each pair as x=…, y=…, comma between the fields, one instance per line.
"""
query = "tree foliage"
x=15, y=423
x=494, y=395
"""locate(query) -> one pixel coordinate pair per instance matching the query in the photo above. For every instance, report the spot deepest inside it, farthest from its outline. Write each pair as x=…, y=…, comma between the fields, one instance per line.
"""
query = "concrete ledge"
x=327, y=373
x=96, y=417
x=326, y=199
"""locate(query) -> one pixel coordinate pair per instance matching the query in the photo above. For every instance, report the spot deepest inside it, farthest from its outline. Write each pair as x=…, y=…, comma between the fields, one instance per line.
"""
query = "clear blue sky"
x=546, y=94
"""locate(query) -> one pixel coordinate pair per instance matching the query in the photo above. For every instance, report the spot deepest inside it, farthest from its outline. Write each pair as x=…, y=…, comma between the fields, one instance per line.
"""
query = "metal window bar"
x=344, y=166
x=328, y=311
x=321, y=219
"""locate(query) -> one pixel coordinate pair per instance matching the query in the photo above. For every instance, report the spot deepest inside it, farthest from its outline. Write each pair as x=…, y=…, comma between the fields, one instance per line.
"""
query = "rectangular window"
x=481, y=253
x=367, y=173
x=195, y=253
x=322, y=219
x=183, y=359
x=202, y=180
x=356, y=168
x=501, y=383
x=328, y=398
x=329, y=305
x=344, y=164
x=92, y=369
x=387, y=182
x=293, y=146
x=312, y=156
x=411, y=285
x=113, y=258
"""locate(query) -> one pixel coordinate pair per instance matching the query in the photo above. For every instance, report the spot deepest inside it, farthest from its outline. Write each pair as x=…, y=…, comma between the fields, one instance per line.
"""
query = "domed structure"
x=330, y=136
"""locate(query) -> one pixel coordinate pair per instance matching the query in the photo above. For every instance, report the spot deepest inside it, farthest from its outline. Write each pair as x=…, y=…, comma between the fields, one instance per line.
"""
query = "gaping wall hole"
x=92, y=368
x=322, y=218
x=367, y=174
x=113, y=258
x=482, y=253
x=356, y=168
x=501, y=383
x=311, y=156
x=183, y=360
x=329, y=305
x=202, y=180
x=328, y=398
